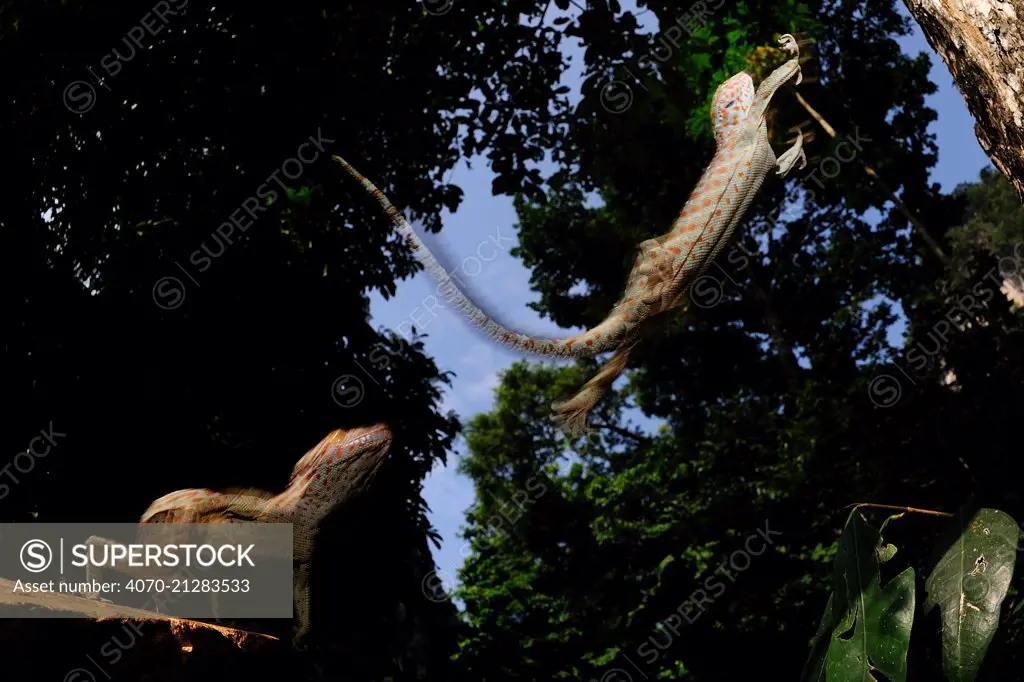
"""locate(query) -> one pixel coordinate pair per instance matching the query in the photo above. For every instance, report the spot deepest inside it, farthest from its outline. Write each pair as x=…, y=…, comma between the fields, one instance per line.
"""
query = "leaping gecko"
x=665, y=265
x=335, y=471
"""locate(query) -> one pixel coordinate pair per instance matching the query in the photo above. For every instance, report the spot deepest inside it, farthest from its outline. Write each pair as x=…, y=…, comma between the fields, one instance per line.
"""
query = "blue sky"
x=470, y=241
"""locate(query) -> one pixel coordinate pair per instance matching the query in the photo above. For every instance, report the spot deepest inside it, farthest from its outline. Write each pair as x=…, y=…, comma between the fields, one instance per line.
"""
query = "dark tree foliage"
x=778, y=399
x=777, y=384
x=132, y=132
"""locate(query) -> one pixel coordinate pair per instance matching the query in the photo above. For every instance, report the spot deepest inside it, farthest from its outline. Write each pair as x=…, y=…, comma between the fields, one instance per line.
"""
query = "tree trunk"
x=982, y=43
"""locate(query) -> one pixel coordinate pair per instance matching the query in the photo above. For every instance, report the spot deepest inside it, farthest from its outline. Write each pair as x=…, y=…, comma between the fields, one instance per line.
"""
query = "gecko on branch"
x=665, y=265
x=334, y=472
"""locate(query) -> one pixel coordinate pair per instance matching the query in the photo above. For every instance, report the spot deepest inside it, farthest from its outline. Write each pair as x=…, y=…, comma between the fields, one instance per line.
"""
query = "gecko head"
x=351, y=454
x=364, y=442
x=731, y=103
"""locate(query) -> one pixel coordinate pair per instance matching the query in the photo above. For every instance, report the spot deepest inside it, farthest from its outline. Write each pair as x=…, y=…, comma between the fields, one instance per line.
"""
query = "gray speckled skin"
x=665, y=265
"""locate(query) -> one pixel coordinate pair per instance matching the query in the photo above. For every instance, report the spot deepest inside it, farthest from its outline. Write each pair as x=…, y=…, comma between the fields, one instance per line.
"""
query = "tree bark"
x=982, y=43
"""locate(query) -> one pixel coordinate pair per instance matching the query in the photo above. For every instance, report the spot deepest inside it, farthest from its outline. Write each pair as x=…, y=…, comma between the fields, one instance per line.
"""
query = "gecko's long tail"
x=605, y=337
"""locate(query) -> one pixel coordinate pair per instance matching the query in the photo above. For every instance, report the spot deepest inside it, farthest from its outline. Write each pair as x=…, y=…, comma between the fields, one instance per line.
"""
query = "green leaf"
x=866, y=627
x=302, y=196
x=969, y=584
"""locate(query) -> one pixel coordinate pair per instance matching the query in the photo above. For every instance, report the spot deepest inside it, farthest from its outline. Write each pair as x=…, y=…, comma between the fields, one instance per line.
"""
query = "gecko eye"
x=729, y=104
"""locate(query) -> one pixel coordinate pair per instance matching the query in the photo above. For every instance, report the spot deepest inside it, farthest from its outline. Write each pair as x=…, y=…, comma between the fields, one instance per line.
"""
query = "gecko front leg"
x=789, y=44
x=301, y=600
x=776, y=79
x=785, y=163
